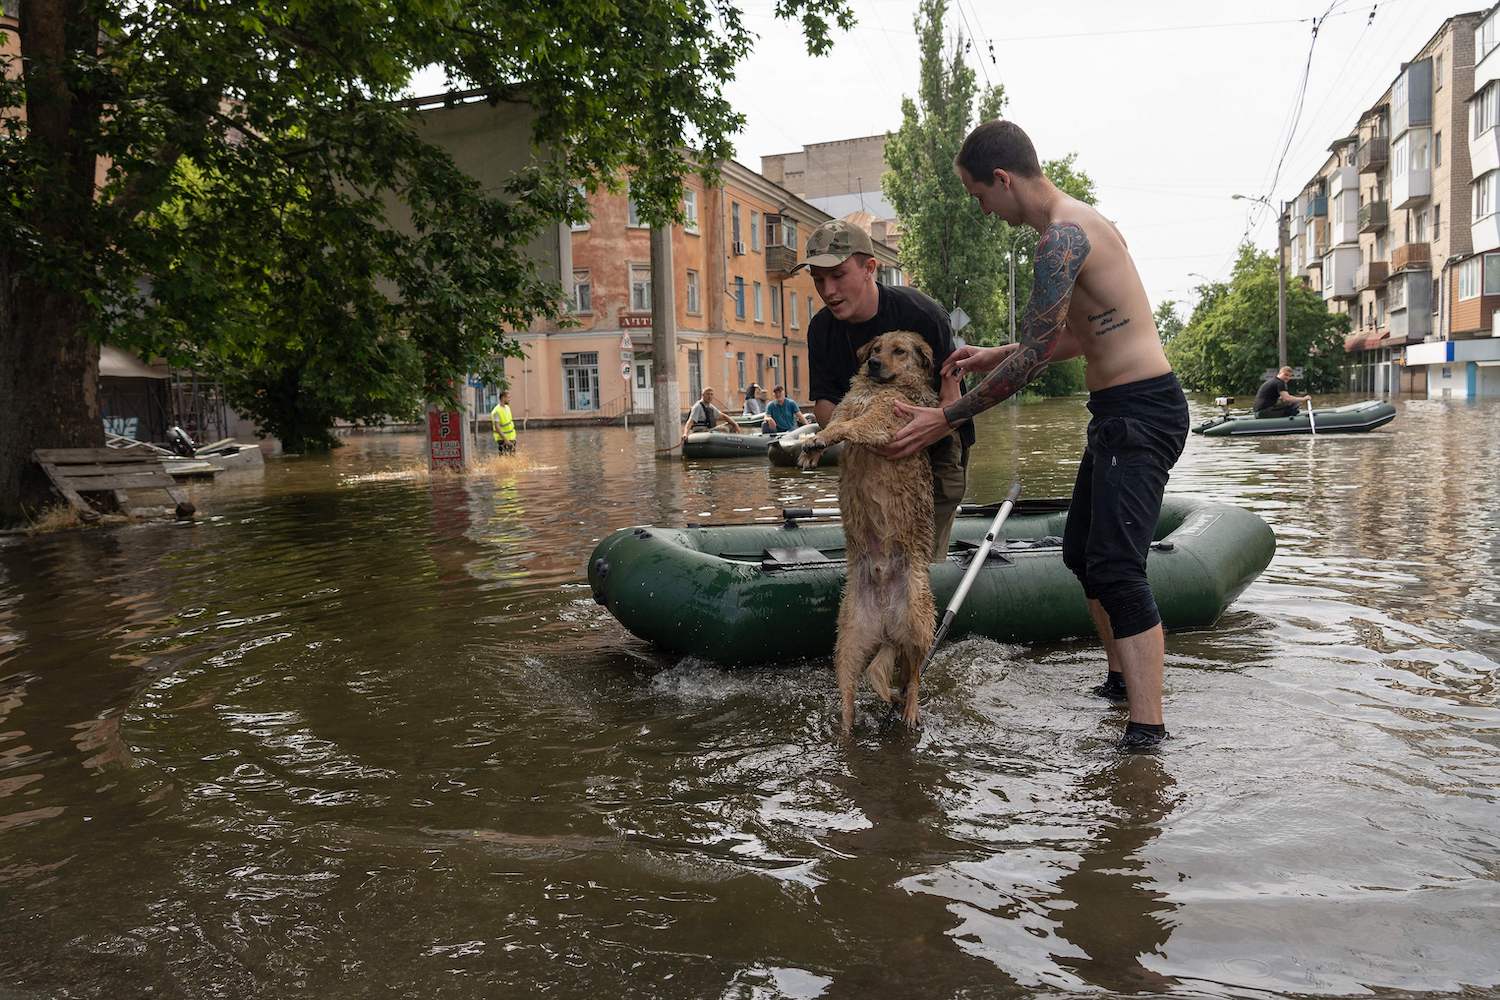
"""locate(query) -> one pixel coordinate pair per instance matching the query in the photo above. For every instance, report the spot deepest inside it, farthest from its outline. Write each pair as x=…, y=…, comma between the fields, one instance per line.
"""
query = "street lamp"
x=1281, y=241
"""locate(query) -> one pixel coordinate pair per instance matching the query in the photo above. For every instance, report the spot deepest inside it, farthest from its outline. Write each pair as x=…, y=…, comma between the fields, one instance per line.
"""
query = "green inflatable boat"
x=1351, y=419
x=787, y=448
x=722, y=444
x=757, y=593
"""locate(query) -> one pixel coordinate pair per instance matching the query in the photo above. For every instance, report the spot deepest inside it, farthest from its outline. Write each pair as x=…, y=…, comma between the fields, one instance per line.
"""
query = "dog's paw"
x=812, y=452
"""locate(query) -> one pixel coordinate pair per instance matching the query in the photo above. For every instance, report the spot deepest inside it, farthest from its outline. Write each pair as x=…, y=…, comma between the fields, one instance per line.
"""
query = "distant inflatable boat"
x=1352, y=419
x=788, y=448
x=755, y=593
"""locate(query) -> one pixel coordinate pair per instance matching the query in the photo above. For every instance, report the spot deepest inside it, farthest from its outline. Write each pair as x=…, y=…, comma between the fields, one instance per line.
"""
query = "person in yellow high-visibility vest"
x=503, y=425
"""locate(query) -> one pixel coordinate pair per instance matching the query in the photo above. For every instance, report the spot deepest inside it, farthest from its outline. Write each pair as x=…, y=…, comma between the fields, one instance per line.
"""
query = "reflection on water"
x=362, y=731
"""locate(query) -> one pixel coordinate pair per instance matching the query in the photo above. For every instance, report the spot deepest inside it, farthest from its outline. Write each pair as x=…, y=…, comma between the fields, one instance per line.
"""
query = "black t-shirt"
x=1270, y=393
x=832, y=344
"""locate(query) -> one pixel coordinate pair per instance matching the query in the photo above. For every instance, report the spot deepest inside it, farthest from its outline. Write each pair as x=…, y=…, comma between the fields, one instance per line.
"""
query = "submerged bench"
x=115, y=471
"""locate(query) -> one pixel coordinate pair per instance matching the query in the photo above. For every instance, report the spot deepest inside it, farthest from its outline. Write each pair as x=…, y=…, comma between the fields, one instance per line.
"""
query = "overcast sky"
x=1173, y=106
x=1170, y=111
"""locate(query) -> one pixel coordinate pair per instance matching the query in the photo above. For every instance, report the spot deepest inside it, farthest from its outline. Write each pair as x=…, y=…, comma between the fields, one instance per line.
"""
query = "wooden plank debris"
x=77, y=471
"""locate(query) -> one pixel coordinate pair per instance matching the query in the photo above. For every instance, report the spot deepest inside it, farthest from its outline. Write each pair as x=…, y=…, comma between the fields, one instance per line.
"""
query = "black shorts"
x=1135, y=437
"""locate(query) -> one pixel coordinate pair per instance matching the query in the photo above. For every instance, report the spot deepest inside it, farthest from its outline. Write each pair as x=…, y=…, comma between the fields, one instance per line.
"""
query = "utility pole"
x=1282, y=242
x=665, y=404
x=1281, y=251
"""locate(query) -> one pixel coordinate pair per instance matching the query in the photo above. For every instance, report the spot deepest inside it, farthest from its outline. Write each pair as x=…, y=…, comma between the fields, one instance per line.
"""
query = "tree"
x=1168, y=323
x=1230, y=342
x=951, y=251
x=215, y=182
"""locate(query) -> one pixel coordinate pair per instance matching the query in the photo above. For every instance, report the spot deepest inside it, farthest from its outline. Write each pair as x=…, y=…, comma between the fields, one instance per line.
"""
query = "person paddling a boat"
x=705, y=416
x=1272, y=399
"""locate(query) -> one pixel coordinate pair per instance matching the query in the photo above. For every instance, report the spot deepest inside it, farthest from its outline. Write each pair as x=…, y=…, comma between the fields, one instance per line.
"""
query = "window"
x=734, y=221
x=640, y=288
x=1395, y=293
x=1400, y=152
x=583, y=292
x=1468, y=278
x=1435, y=298
x=1484, y=195
x=755, y=231
x=1422, y=226
x=760, y=369
x=773, y=230
x=776, y=307
x=739, y=367
x=633, y=214
x=581, y=380
x=581, y=194
x=1492, y=274
x=1485, y=37
x=789, y=232
x=1437, y=149
x=758, y=316
x=1437, y=222
x=739, y=298
x=690, y=210
x=1437, y=72
x=791, y=308
x=692, y=293
x=1483, y=108
x=796, y=372
x=809, y=310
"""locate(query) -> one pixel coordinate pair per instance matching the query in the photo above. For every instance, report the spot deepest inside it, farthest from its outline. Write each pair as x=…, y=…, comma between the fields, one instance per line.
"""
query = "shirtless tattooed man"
x=1087, y=299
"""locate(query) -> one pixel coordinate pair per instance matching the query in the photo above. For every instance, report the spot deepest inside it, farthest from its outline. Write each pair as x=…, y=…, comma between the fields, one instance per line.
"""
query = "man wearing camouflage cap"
x=856, y=310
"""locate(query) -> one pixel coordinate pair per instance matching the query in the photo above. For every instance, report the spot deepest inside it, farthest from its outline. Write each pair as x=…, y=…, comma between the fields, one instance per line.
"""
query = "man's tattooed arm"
x=1059, y=257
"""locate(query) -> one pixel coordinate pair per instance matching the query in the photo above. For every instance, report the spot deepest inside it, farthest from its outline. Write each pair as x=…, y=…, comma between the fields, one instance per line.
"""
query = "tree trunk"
x=49, y=375
x=49, y=368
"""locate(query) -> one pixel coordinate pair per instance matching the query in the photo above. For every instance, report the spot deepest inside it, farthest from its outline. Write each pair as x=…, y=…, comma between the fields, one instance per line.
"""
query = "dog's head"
x=897, y=357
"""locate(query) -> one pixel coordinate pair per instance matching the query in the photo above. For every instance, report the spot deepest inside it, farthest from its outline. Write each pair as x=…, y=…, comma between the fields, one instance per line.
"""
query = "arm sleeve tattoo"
x=1059, y=257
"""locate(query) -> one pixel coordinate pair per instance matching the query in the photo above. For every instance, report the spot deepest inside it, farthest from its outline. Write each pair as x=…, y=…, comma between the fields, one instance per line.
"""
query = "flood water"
x=360, y=733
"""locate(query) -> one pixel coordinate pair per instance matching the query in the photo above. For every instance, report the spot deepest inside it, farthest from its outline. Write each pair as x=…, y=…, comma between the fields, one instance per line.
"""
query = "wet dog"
x=886, y=616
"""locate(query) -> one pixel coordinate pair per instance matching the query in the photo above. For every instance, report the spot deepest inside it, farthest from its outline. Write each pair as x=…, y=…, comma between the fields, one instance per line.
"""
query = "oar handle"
x=984, y=549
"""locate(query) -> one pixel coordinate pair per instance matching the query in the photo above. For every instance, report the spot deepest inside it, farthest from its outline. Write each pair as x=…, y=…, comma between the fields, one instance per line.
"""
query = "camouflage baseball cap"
x=834, y=242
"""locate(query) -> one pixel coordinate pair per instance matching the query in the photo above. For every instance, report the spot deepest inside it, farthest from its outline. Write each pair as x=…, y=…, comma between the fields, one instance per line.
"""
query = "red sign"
x=635, y=322
x=445, y=441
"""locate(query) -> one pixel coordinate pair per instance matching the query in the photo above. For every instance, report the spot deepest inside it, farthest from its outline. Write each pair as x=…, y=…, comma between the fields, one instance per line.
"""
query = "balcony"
x=1411, y=187
x=1339, y=265
x=1317, y=206
x=1374, y=217
x=1411, y=257
x=1372, y=275
x=780, y=261
x=1373, y=155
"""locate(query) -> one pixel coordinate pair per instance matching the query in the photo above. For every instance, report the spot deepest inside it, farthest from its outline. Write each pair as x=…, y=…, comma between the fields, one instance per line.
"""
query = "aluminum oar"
x=1312, y=420
x=968, y=581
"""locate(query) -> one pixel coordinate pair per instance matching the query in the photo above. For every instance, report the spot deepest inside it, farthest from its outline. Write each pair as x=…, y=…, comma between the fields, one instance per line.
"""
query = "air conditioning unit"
x=739, y=249
x=772, y=362
x=1495, y=323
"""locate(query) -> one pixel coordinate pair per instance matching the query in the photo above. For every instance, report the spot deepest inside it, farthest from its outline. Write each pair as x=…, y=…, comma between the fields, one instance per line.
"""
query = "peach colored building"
x=741, y=315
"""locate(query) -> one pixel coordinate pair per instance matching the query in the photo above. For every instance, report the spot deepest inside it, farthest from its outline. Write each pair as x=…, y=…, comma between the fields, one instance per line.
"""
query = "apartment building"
x=1465, y=360
x=1388, y=212
x=741, y=315
x=843, y=178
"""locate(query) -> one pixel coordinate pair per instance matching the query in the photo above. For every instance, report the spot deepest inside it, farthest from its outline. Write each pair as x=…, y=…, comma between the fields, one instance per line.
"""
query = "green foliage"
x=1065, y=378
x=1230, y=341
x=1168, y=323
x=256, y=159
x=949, y=249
